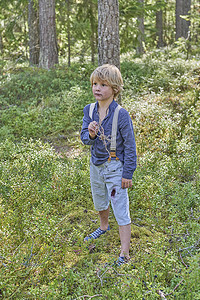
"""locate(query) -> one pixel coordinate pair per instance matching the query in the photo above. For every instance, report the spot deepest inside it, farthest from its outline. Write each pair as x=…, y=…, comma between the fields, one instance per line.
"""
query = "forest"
x=48, y=50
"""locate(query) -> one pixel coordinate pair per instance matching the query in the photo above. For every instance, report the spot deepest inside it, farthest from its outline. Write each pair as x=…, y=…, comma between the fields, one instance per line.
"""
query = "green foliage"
x=37, y=103
x=45, y=201
x=13, y=29
x=77, y=22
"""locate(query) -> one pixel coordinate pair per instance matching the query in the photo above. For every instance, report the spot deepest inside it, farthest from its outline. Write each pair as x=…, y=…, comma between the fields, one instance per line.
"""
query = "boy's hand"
x=126, y=183
x=93, y=129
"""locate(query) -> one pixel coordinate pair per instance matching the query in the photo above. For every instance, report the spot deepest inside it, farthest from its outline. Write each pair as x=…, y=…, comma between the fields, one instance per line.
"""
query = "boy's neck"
x=103, y=105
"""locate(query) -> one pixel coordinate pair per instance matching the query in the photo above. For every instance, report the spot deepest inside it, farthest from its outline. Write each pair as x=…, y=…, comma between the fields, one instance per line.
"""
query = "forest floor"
x=46, y=205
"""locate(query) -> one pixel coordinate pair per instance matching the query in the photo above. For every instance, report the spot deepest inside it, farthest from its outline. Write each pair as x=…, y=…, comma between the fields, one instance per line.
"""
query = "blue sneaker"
x=120, y=261
x=96, y=234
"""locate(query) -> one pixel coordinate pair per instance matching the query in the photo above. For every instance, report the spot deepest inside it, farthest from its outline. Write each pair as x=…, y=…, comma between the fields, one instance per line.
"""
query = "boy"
x=111, y=170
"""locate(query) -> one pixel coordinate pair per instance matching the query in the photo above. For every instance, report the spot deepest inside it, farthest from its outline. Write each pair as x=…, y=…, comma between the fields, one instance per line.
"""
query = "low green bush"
x=46, y=212
x=46, y=205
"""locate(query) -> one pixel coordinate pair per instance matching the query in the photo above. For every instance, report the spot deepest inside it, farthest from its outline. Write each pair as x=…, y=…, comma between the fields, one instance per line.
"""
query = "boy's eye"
x=102, y=84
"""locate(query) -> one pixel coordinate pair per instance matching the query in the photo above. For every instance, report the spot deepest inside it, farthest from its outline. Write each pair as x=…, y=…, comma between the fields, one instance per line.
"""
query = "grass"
x=46, y=205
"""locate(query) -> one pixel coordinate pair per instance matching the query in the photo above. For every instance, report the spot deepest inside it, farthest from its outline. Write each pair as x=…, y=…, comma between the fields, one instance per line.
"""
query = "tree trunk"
x=33, y=26
x=159, y=28
x=186, y=24
x=140, y=38
x=93, y=30
x=1, y=44
x=182, y=26
x=68, y=33
x=108, y=32
x=48, y=41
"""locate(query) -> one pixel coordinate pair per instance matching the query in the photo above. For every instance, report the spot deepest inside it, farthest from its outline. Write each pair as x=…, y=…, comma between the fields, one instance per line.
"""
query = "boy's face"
x=102, y=91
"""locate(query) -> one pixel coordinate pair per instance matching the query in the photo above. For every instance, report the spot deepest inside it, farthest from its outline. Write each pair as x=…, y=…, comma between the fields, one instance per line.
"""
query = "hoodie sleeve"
x=130, y=156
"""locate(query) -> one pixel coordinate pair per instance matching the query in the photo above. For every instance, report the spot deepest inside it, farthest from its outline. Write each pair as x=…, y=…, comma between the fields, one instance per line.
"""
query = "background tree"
x=14, y=29
x=140, y=37
x=159, y=25
x=169, y=21
x=64, y=23
x=1, y=44
x=195, y=21
x=68, y=33
x=127, y=27
x=85, y=29
x=93, y=38
x=182, y=25
x=48, y=40
x=77, y=27
x=108, y=32
x=33, y=25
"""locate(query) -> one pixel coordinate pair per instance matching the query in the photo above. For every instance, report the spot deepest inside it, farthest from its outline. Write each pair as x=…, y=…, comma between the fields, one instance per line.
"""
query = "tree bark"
x=140, y=38
x=93, y=30
x=68, y=33
x=159, y=28
x=48, y=40
x=1, y=44
x=182, y=26
x=33, y=26
x=108, y=32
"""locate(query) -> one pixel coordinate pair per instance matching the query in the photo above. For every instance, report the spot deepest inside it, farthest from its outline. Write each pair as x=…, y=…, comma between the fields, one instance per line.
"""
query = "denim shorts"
x=106, y=180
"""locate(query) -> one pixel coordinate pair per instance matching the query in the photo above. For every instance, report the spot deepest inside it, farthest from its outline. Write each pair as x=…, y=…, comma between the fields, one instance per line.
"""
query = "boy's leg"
x=104, y=226
x=125, y=237
x=104, y=214
x=120, y=204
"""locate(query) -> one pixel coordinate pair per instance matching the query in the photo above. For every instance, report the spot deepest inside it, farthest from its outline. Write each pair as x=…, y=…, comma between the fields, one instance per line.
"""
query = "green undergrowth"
x=36, y=103
x=46, y=206
x=46, y=210
x=42, y=104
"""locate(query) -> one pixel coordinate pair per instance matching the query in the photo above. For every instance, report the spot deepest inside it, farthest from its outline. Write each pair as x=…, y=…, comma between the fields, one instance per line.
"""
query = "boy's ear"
x=116, y=90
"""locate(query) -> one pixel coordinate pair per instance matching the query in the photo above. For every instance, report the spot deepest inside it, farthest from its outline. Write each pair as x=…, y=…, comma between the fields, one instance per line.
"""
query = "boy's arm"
x=87, y=134
x=130, y=156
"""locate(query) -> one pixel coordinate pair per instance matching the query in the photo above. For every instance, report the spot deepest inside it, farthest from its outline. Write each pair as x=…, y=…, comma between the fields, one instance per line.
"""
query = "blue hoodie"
x=125, y=140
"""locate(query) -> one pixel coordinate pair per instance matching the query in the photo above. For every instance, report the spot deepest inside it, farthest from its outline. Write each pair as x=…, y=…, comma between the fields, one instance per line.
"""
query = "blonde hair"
x=109, y=74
